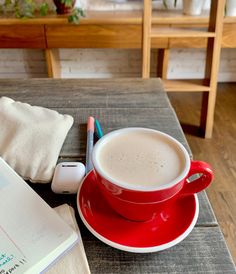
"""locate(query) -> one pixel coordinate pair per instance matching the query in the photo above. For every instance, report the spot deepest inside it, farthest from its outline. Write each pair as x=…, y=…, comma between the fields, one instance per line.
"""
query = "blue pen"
x=89, y=148
x=98, y=129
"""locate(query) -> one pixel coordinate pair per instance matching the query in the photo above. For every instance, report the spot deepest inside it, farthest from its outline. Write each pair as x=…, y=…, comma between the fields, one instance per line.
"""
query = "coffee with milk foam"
x=141, y=158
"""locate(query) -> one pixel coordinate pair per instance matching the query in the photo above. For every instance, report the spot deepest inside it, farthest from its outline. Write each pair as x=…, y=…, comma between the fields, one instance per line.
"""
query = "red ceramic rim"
x=106, y=138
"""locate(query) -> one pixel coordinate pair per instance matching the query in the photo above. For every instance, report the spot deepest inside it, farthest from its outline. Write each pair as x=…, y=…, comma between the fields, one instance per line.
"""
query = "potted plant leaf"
x=29, y=8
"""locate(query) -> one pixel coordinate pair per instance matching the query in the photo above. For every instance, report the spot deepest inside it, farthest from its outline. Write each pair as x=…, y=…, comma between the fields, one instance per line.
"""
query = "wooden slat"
x=96, y=36
x=160, y=32
x=229, y=19
x=53, y=63
x=21, y=36
x=206, y=214
x=188, y=42
x=207, y=244
x=212, y=67
x=97, y=93
x=177, y=17
x=162, y=63
x=162, y=119
x=92, y=36
x=146, y=41
x=229, y=36
x=185, y=85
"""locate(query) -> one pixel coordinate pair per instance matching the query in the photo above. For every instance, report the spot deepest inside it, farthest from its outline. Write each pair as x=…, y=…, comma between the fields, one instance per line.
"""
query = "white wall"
x=190, y=64
x=95, y=63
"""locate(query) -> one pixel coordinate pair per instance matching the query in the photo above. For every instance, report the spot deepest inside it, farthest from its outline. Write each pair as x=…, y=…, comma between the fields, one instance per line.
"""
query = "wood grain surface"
x=21, y=36
x=115, y=118
x=207, y=245
x=117, y=104
x=84, y=93
x=97, y=36
x=229, y=36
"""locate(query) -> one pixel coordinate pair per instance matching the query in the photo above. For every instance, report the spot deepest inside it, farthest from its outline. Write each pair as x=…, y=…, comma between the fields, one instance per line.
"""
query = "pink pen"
x=89, y=148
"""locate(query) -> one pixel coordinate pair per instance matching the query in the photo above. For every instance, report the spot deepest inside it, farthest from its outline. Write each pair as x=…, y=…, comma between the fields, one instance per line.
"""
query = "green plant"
x=75, y=16
x=28, y=9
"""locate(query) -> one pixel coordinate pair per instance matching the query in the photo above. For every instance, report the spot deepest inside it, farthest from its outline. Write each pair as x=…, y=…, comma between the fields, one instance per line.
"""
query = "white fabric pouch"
x=31, y=138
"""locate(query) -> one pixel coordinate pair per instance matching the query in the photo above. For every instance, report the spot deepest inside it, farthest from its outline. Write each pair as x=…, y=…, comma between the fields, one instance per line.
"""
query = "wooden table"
x=121, y=103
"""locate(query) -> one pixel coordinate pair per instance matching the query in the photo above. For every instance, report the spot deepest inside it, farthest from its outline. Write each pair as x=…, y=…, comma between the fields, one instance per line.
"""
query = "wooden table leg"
x=53, y=63
x=146, y=39
x=207, y=112
x=162, y=63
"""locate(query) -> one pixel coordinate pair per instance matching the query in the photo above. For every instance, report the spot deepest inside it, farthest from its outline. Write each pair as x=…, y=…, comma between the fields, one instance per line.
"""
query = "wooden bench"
x=117, y=29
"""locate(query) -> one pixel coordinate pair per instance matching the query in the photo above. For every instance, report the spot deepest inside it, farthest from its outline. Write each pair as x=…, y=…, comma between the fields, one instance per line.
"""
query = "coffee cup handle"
x=200, y=183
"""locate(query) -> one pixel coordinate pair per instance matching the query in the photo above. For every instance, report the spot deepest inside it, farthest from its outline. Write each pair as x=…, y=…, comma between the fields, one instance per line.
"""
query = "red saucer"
x=164, y=231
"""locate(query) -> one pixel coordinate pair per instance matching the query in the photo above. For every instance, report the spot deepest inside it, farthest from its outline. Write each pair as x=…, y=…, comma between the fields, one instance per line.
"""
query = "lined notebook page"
x=75, y=260
x=32, y=235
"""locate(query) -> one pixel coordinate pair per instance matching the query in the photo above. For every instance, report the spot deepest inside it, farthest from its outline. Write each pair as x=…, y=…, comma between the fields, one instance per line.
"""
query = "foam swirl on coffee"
x=141, y=158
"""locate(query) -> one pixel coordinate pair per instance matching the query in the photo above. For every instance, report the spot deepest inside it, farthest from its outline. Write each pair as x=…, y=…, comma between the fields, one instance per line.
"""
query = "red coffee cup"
x=139, y=202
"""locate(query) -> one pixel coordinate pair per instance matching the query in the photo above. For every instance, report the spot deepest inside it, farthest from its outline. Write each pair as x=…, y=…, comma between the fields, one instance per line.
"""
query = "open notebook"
x=75, y=260
x=32, y=234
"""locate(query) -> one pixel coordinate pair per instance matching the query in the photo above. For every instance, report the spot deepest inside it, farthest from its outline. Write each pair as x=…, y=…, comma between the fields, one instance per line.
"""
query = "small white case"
x=67, y=177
